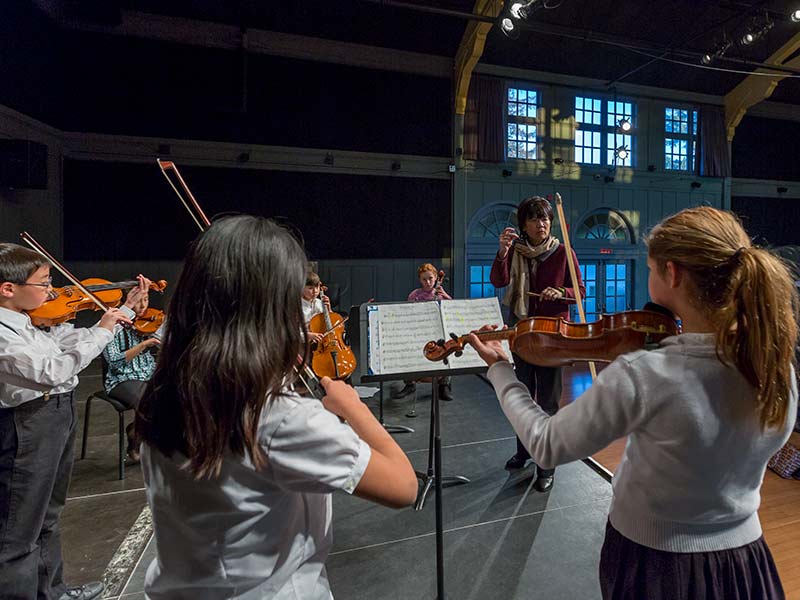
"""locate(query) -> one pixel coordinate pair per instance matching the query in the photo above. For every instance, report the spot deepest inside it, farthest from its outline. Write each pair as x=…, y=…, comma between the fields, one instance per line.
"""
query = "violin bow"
x=28, y=239
x=203, y=223
x=573, y=274
x=189, y=202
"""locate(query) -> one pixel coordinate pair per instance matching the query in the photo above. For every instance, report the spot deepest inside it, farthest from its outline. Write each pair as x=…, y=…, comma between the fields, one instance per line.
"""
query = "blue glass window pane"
x=487, y=269
x=578, y=103
x=512, y=94
x=621, y=288
x=597, y=105
x=474, y=274
x=532, y=110
x=532, y=97
x=522, y=95
x=579, y=117
x=611, y=305
x=610, y=272
x=592, y=271
x=621, y=271
x=475, y=290
x=488, y=290
x=596, y=157
x=591, y=305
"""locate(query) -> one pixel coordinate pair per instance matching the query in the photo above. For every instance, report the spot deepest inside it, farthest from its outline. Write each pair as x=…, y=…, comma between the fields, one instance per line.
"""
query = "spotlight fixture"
x=622, y=153
x=516, y=10
x=624, y=125
x=757, y=31
x=522, y=9
x=508, y=28
x=795, y=16
x=718, y=52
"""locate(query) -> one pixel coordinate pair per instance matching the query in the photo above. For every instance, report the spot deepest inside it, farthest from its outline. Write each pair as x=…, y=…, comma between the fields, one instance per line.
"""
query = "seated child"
x=130, y=366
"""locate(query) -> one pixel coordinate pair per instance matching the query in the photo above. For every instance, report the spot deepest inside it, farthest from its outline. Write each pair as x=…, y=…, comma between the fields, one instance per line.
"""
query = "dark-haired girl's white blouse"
x=254, y=534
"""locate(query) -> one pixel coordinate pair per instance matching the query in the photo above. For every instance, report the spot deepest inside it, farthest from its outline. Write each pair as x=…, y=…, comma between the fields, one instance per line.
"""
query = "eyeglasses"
x=47, y=284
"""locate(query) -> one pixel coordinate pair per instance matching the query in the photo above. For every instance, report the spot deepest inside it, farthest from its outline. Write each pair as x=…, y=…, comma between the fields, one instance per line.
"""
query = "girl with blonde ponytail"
x=702, y=413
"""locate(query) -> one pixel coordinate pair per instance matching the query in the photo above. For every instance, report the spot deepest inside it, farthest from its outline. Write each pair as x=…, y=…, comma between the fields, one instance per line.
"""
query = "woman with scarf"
x=535, y=262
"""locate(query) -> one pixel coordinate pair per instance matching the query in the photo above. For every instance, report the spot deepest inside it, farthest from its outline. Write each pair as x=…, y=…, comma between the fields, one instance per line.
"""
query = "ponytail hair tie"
x=737, y=254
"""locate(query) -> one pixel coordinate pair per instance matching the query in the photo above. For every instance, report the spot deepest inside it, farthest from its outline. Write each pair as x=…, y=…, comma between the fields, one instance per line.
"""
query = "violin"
x=332, y=357
x=554, y=342
x=66, y=302
x=149, y=322
x=437, y=289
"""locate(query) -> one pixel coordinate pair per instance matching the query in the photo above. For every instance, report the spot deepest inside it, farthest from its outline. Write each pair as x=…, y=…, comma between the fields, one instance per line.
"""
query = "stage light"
x=522, y=10
x=706, y=59
x=507, y=24
x=795, y=16
x=516, y=9
x=625, y=125
x=748, y=38
x=622, y=153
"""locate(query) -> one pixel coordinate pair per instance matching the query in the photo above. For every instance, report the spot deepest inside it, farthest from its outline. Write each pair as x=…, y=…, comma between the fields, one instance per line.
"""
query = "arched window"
x=605, y=225
x=489, y=222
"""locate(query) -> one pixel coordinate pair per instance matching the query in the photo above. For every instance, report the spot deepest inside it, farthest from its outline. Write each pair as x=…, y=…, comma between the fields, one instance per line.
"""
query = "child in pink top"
x=431, y=290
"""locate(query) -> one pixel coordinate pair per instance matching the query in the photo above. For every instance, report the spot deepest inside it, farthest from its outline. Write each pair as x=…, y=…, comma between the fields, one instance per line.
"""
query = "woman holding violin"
x=703, y=412
x=533, y=266
x=130, y=364
x=38, y=374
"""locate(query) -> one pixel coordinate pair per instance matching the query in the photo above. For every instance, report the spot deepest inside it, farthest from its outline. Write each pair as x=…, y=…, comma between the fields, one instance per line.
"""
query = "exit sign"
x=606, y=251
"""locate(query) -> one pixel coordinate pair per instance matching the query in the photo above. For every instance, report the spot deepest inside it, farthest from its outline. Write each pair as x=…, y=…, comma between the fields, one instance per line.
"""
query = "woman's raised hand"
x=507, y=238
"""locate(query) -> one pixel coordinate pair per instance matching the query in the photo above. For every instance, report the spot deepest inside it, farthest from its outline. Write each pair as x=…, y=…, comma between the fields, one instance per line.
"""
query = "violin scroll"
x=441, y=349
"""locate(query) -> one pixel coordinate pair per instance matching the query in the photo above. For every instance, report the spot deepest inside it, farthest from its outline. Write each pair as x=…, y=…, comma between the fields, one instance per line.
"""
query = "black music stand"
x=433, y=476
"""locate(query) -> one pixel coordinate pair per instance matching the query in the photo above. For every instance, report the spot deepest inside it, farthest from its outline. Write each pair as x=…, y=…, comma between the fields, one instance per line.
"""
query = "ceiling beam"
x=230, y=37
x=757, y=88
x=471, y=49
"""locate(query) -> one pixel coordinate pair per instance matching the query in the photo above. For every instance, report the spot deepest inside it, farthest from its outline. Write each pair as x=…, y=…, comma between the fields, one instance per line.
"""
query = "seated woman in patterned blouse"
x=129, y=367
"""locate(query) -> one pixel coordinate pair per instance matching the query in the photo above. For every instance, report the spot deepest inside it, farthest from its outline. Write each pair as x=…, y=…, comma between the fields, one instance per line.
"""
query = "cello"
x=332, y=357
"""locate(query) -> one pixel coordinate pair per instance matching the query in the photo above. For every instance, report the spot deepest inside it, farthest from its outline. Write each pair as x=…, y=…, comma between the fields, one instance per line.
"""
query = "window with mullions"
x=616, y=111
x=479, y=284
x=588, y=139
x=680, y=141
x=521, y=110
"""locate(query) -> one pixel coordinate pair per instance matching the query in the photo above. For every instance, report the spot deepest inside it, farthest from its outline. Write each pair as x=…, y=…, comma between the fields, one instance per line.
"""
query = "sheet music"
x=462, y=316
x=397, y=335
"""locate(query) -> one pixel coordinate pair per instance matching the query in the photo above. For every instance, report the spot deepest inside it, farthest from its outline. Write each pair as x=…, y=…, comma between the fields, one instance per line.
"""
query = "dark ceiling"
x=559, y=43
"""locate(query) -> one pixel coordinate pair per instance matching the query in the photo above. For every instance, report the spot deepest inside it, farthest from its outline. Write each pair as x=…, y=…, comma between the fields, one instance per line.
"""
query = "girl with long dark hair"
x=239, y=469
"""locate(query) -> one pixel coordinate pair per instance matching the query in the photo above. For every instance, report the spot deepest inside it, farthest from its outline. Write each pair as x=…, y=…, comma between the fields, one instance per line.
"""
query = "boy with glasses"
x=38, y=373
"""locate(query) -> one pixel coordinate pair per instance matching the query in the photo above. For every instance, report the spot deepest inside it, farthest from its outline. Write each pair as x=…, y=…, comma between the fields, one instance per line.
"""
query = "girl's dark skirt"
x=630, y=571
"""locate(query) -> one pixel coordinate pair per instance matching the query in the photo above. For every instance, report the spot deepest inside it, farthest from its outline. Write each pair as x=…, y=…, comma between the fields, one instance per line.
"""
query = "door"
x=609, y=287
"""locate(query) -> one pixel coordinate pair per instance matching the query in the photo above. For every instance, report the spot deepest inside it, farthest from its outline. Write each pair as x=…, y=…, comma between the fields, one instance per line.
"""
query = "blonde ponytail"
x=747, y=292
